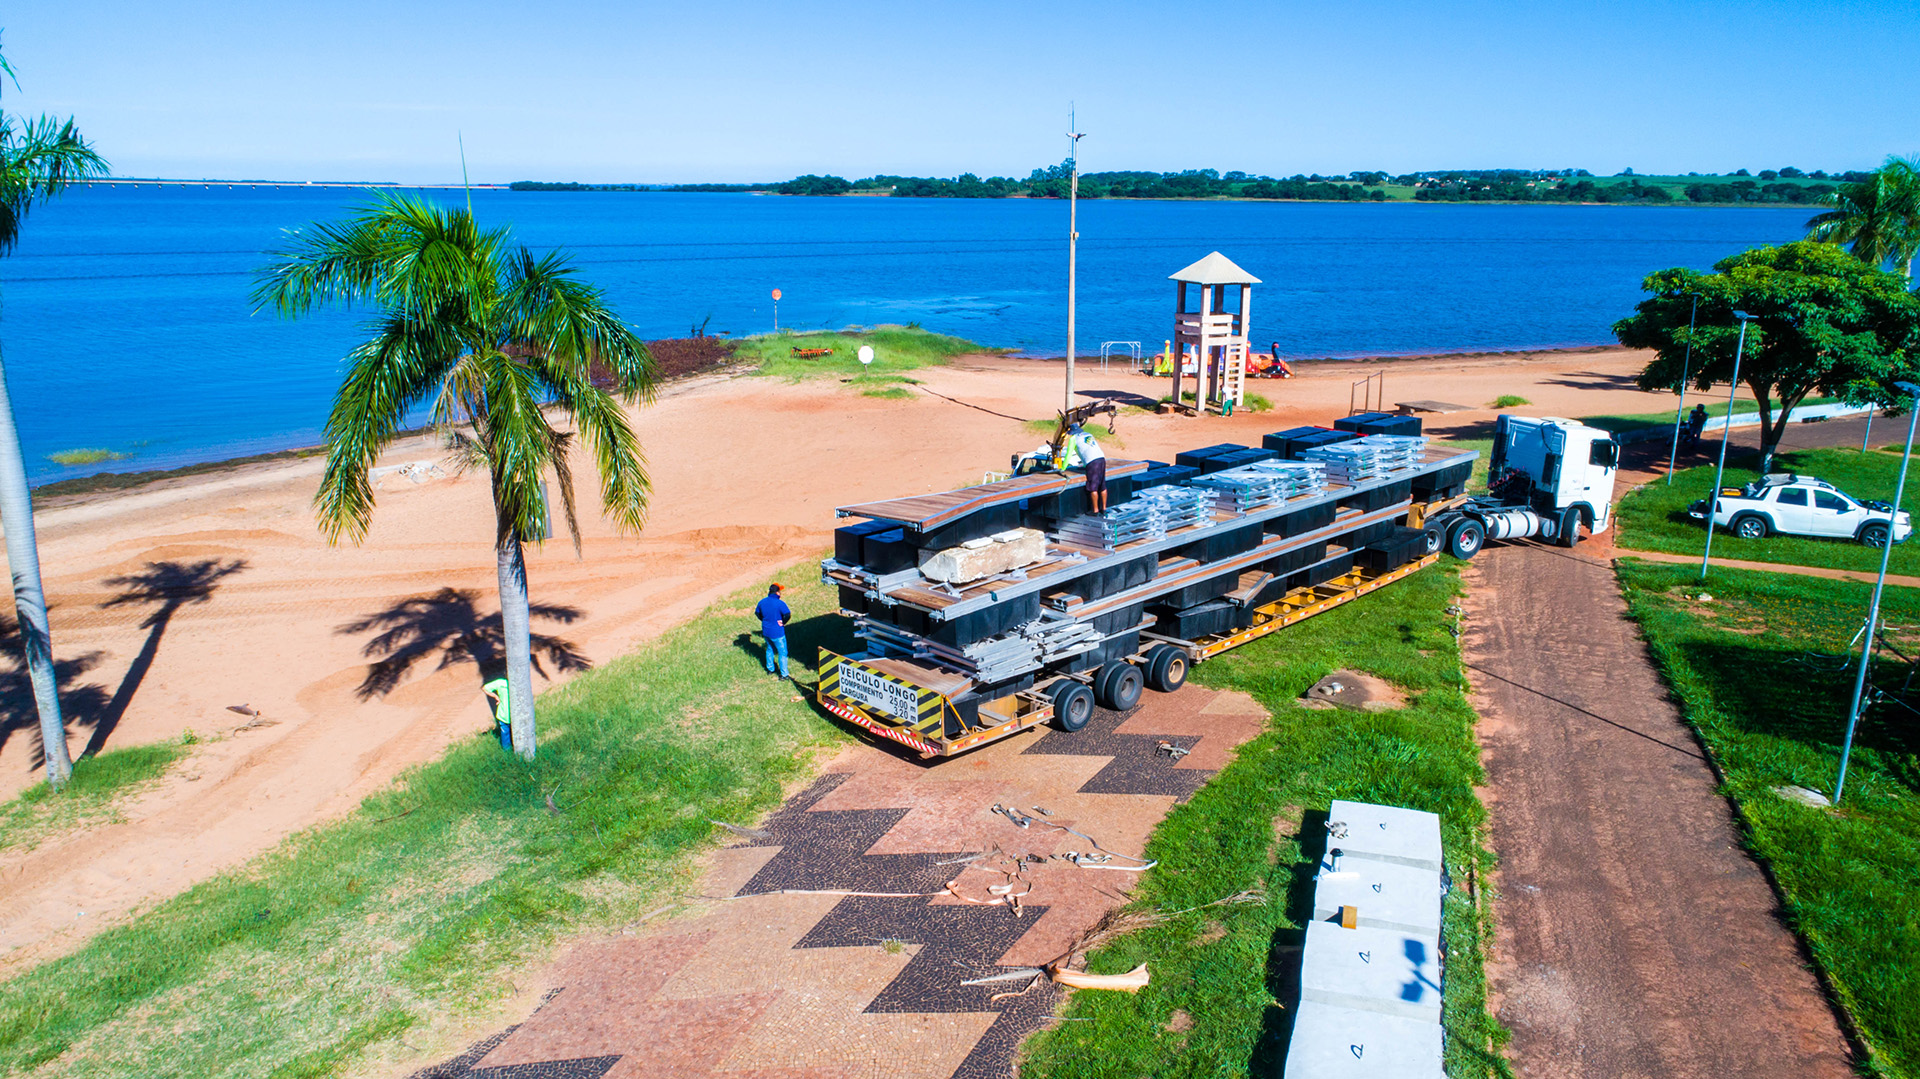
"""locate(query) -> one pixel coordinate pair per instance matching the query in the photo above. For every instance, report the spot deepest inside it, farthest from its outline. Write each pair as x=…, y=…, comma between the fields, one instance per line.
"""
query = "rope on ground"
x=971, y=405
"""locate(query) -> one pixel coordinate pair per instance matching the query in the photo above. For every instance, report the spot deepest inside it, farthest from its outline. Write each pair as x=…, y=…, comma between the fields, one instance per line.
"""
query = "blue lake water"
x=126, y=323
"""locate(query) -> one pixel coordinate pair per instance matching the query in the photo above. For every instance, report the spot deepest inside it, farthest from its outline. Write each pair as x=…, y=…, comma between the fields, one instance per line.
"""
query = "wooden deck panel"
x=945, y=683
x=921, y=512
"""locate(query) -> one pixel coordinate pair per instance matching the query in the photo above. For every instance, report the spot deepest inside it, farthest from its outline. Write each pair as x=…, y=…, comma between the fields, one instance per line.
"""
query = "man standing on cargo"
x=1083, y=451
x=773, y=613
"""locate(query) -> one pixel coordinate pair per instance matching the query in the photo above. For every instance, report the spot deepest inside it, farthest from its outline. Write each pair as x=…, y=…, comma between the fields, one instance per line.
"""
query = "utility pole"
x=1680, y=413
x=1073, y=244
x=1726, y=432
x=1879, y=585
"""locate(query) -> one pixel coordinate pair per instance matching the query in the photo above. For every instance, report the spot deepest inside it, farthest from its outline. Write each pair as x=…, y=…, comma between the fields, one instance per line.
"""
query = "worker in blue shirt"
x=773, y=613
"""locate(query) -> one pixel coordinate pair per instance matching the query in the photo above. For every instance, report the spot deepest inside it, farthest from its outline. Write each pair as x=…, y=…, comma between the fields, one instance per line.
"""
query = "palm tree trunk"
x=30, y=600
x=517, y=642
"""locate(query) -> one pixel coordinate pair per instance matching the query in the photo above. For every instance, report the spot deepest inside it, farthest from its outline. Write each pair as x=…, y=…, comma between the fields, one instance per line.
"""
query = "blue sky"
x=744, y=90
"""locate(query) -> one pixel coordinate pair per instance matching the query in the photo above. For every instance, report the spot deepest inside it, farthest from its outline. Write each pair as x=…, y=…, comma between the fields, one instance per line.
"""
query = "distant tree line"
x=1778, y=186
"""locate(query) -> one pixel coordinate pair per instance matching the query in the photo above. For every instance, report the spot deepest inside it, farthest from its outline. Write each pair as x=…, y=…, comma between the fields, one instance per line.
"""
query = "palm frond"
x=568, y=320
x=563, y=475
x=624, y=484
x=386, y=377
x=38, y=161
x=518, y=441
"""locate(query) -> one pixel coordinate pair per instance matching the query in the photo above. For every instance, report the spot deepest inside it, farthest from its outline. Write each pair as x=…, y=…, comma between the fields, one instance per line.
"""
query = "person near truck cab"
x=1083, y=451
x=773, y=614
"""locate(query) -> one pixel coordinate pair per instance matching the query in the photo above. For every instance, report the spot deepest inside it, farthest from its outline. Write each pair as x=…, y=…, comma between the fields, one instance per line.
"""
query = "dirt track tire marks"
x=1635, y=936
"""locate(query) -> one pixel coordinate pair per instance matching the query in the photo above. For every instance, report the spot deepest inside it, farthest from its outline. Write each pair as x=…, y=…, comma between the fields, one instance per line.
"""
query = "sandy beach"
x=172, y=603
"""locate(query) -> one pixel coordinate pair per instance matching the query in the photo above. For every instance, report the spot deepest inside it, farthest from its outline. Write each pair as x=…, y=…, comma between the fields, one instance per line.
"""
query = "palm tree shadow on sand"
x=449, y=624
x=166, y=587
x=82, y=704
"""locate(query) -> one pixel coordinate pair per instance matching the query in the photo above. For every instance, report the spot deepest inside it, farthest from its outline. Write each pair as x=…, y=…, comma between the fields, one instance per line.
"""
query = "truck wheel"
x=1466, y=539
x=1117, y=686
x=1750, y=528
x=1166, y=668
x=1568, y=532
x=1072, y=705
x=1874, y=535
x=1433, y=539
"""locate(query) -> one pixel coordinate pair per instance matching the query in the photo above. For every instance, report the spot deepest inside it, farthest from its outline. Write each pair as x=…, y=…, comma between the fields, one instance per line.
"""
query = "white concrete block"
x=1332, y=1042
x=985, y=557
x=1387, y=895
x=1385, y=834
x=1377, y=970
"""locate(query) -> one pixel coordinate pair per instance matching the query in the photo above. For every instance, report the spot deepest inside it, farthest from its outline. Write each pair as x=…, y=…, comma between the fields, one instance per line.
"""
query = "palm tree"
x=492, y=335
x=1877, y=218
x=38, y=159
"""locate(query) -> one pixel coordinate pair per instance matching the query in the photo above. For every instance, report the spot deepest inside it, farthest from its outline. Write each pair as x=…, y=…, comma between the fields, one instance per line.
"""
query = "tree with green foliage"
x=1824, y=321
x=1877, y=218
x=493, y=335
x=38, y=159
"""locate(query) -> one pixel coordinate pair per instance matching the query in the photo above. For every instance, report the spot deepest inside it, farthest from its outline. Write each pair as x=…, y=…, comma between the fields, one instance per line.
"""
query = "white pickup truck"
x=1802, y=506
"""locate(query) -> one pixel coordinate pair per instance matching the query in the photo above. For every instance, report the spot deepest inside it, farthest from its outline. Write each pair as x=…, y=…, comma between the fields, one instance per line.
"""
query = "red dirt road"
x=1635, y=936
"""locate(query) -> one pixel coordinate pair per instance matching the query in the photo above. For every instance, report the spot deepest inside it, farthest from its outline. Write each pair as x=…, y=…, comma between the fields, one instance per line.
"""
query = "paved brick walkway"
x=788, y=986
x=1771, y=567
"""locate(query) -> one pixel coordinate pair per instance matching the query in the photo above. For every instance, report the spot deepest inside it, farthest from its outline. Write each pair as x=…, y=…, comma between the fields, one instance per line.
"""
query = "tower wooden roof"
x=1215, y=269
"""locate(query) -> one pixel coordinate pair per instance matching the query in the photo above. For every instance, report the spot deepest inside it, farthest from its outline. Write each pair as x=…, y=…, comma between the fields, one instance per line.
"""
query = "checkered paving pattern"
x=799, y=986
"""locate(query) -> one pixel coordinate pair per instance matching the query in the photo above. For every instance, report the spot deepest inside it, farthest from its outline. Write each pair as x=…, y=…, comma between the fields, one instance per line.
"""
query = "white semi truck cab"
x=1546, y=478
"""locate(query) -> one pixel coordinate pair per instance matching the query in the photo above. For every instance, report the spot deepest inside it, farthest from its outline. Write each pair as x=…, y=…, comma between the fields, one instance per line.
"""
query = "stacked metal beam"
x=997, y=659
x=1180, y=507
x=1148, y=515
x=1262, y=484
x=1368, y=458
x=1302, y=478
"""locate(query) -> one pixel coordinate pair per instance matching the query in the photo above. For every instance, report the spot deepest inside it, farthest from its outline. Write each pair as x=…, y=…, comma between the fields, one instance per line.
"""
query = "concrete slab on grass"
x=1377, y=970
x=1386, y=895
x=1332, y=1042
x=1385, y=834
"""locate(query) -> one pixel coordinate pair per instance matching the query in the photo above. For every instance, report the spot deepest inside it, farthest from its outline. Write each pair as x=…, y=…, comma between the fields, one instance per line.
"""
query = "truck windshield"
x=1605, y=453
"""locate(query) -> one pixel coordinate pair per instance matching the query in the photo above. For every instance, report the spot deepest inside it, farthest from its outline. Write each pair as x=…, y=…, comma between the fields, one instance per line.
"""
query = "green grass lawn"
x=1223, y=967
x=91, y=796
x=896, y=350
x=1654, y=517
x=414, y=910
x=1762, y=674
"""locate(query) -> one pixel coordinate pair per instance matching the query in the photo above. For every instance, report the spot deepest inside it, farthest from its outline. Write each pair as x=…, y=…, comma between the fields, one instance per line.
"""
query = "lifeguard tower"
x=1214, y=303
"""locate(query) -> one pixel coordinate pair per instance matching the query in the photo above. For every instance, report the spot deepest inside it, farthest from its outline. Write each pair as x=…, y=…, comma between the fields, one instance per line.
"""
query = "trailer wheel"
x=1166, y=668
x=1117, y=686
x=1466, y=539
x=1568, y=532
x=1072, y=705
x=1434, y=539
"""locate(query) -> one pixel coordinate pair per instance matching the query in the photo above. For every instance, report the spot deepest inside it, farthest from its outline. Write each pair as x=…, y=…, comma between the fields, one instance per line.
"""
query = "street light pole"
x=1726, y=432
x=1873, y=607
x=1686, y=366
x=1073, y=245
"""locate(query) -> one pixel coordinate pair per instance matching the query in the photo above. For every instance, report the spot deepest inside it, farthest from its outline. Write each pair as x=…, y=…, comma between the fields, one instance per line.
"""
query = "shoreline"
x=110, y=484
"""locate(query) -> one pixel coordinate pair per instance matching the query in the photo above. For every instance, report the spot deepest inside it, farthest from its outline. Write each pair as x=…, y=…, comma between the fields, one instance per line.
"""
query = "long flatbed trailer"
x=951, y=667
x=912, y=704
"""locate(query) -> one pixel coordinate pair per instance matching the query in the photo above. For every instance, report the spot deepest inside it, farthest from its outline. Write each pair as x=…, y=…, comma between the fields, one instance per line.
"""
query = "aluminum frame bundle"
x=1301, y=478
x=1250, y=487
x=1369, y=457
x=1180, y=507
